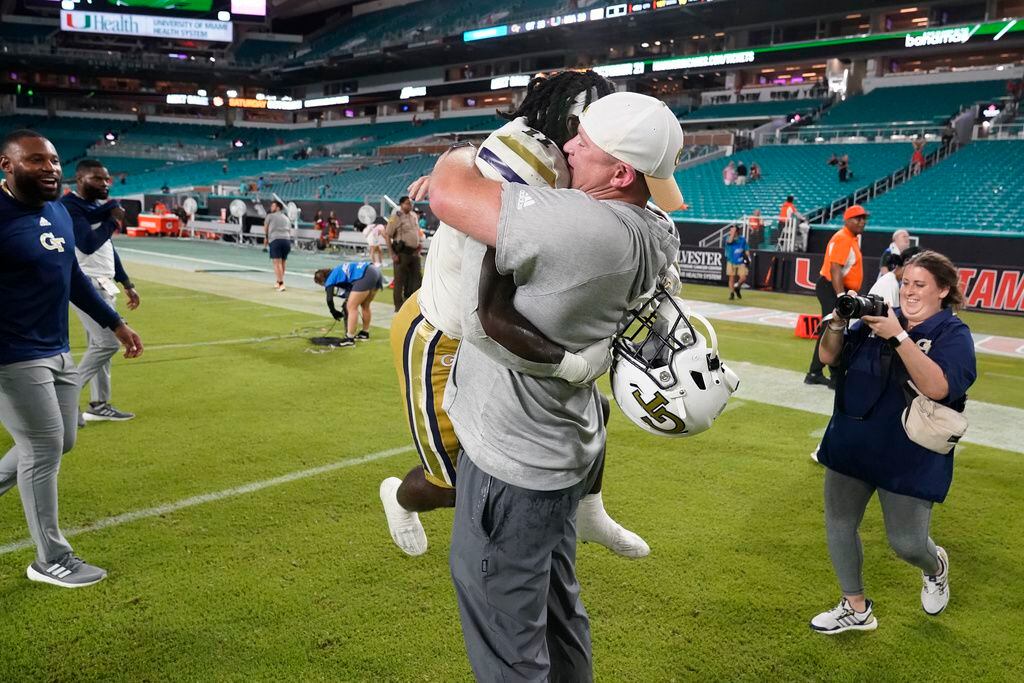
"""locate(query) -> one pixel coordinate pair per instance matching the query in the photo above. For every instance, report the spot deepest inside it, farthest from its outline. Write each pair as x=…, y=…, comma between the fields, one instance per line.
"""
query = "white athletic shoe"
x=405, y=527
x=844, y=618
x=593, y=524
x=935, y=591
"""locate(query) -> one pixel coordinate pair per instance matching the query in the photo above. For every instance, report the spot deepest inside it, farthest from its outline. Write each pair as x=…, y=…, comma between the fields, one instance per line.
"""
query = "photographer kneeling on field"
x=903, y=379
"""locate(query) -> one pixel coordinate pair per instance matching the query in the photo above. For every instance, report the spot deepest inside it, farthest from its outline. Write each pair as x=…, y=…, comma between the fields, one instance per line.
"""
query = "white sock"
x=593, y=523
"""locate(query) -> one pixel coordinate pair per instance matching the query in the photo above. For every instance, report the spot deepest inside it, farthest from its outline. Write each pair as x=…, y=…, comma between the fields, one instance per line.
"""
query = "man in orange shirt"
x=842, y=270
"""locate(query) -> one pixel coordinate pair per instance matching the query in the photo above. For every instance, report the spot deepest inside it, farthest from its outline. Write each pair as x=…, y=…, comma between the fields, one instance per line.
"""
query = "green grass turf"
x=301, y=581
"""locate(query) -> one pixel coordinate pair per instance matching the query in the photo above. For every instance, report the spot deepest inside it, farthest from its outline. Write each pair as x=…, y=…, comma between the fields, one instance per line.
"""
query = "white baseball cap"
x=643, y=132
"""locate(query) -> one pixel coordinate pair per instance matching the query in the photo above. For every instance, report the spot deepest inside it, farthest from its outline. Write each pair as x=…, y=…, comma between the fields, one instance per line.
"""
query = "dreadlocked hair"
x=550, y=99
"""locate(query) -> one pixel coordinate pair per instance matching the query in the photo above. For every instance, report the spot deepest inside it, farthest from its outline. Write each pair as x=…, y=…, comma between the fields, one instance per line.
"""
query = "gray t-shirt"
x=578, y=264
x=279, y=227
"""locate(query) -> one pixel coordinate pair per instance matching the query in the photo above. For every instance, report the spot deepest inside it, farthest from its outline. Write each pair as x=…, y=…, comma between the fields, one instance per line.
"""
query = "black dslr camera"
x=852, y=306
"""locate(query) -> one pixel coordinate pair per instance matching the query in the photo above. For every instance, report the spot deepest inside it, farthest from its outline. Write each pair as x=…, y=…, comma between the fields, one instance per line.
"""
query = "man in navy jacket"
x=39, y=386
x=95, y=219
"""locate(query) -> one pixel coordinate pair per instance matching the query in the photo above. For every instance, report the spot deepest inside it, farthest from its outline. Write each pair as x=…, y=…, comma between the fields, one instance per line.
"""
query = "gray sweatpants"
x=513, y=563
x=94, y=368
x=907, y=520
x=39, y=407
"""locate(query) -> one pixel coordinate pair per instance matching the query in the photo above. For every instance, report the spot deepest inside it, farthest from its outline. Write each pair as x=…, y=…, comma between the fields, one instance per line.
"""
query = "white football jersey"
x=515, y=153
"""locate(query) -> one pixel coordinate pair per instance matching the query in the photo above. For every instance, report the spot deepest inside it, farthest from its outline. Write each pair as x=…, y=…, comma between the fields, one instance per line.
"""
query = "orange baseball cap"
x=854, y=211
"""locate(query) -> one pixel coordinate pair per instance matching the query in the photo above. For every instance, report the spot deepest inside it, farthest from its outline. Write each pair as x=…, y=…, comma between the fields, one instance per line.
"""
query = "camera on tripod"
x=852, y=306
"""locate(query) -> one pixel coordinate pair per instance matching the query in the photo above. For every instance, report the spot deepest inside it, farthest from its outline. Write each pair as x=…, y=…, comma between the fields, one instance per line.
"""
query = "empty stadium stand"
x=926, y=104
x=743, y=110
x=800, y=170
x=975, y=191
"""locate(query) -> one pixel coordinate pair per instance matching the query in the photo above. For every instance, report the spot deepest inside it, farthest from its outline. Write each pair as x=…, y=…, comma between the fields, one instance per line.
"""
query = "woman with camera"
x=878, y=442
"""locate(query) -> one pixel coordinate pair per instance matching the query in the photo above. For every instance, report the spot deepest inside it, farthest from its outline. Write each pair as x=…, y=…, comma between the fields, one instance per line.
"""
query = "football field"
x=239, y=519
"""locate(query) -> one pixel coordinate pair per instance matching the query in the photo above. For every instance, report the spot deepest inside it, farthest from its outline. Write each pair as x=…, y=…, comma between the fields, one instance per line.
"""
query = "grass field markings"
x=1002, y=374
x=992, y=425
x=220, y=342
x=160, y=510
x=193, y=259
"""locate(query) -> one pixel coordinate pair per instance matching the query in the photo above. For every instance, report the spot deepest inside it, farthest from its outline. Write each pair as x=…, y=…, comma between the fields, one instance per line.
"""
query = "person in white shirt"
x=888, y=285
x=900, y=241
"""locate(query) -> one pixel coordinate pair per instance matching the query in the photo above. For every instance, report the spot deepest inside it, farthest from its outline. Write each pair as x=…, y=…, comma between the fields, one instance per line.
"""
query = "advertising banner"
x=133, y=25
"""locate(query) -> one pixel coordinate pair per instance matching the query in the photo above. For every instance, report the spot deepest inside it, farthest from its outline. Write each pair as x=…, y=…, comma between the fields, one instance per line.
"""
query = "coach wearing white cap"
x=532, y=446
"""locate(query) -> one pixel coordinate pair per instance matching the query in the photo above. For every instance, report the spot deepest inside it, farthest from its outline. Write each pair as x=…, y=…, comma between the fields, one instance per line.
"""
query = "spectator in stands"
x=736, y=259
x=755, y=228
x=403, y=234
x=900, y=241
x=729, y=173
x=357, y=284
x=124, y=178
x=948, y=134
x=224, y=169
x=842, y=271
x=868, y=446
x=888, y=286
x=165, y=188
x=277, y=230
x=741, y=173
x=844, y=168
x=755, y=172
x=260, y=184
x=833, y=160
x=917, y=158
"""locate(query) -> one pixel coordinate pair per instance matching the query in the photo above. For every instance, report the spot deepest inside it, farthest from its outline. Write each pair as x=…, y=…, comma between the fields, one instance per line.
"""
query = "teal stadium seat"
x=977, y=190
x=800, y=170
x=930, y=104
x=753, y=109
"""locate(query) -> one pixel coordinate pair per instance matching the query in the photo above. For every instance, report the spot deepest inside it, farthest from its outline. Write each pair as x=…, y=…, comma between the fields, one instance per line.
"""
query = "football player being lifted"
x=426, y=333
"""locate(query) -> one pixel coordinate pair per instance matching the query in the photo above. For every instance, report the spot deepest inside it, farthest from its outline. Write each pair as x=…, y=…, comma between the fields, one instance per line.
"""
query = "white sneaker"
x=593, y=524
x=405, y=527
x=844, y=618
x=814, y=453
x=935, y=591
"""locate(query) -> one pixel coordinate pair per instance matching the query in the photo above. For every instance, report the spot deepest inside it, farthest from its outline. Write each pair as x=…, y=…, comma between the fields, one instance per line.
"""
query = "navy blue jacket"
x=865, y=437
x=38, y=275
x=83, y=215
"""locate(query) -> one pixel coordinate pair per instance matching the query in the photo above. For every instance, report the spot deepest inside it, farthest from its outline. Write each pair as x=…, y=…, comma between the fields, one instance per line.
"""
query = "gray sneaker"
x=69, y=571
x=105, y=411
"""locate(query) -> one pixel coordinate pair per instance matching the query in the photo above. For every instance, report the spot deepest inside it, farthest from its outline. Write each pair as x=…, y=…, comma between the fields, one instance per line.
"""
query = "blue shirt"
x=346, y=274
x=39, y=274
x=867, y=440
x=734, y=250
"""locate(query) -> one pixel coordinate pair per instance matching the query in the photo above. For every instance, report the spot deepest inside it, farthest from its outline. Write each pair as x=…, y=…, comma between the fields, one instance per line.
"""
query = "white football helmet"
x=516, y=153
x=665, y=377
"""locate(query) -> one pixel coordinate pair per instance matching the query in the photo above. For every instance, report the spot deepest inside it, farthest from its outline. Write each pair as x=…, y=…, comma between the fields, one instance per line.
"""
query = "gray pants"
x=94, y=368
x=513, y=563
x=907, y=520
x=39, y=407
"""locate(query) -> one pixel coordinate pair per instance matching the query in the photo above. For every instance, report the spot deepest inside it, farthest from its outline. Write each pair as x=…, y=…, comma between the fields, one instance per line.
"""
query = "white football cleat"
x=405, y=527
x=843, y=617
x=935, y=591
x=593, y=524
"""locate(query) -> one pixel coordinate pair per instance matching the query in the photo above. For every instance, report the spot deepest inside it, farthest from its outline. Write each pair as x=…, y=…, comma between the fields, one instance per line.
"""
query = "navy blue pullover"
x=39, y=274
x=83, y=215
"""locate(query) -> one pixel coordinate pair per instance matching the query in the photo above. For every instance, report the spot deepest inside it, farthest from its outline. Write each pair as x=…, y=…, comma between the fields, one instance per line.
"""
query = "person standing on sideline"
x=39, y=386
x=842, y=271
x=277, y=231
x=403, y=234
x=356, y=283
x=755, y=227
x=95, y=219
x=920, y=347
x=900, y=242
x=888, y=286
x=528, y=458
x=736, y=259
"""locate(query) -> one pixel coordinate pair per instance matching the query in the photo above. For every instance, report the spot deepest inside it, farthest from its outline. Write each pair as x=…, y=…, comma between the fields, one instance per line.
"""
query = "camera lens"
x=848, y=306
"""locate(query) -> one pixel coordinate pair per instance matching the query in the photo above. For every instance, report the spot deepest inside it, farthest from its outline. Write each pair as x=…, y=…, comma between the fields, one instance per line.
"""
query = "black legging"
x=408, y=276
x=827, y=298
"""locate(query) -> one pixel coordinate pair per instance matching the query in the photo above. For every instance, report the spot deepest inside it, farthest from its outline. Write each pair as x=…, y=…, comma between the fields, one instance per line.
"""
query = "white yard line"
x=168, y=508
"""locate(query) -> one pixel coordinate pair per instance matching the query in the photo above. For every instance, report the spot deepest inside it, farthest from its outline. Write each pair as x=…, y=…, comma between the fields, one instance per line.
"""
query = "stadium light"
x=232, y=93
